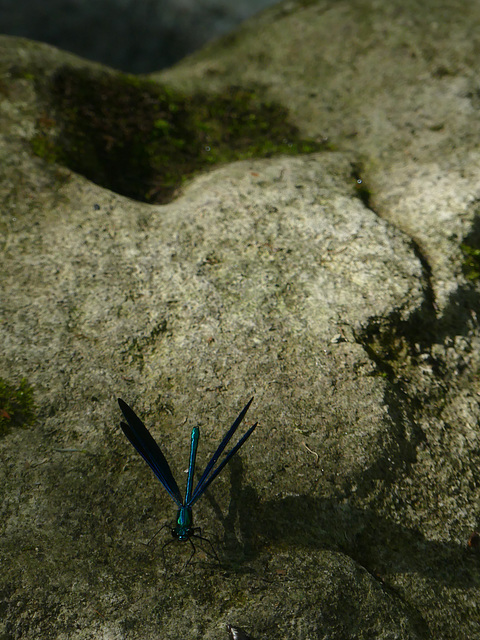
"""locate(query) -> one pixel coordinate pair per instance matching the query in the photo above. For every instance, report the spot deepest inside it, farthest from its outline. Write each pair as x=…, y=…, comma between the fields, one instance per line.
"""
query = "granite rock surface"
x=340, y=287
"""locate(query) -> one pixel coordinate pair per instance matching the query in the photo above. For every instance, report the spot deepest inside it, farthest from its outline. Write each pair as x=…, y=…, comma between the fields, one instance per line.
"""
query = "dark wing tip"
x=243, y=412
x=126, y=409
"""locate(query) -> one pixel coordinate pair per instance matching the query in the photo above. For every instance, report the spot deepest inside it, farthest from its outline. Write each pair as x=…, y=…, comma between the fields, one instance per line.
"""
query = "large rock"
x=340, y=287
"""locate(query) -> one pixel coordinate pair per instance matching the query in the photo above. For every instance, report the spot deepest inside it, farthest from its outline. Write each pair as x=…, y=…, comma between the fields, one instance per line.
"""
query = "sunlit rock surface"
x=340, y=287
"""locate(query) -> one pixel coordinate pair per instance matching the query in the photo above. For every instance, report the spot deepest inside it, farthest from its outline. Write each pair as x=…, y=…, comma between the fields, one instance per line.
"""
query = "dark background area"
x=138, y=36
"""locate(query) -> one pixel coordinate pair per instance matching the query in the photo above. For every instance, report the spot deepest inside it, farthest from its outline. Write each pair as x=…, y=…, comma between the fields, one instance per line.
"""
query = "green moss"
x=17, y=407
x=388, y=349
x=44, y=147
x=471, y=262
x=143, y=140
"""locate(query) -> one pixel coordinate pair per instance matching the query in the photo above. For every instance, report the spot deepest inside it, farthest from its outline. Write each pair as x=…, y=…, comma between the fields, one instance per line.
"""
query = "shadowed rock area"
x=327, y=264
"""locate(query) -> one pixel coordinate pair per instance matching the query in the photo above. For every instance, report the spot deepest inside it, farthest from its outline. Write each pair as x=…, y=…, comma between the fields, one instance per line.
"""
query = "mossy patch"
x=386, y=346
x=471, y=261
x=17, y=408
x=143, y=140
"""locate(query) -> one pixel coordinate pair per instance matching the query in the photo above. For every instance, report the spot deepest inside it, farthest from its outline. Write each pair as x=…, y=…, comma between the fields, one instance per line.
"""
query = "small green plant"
x=17, y=407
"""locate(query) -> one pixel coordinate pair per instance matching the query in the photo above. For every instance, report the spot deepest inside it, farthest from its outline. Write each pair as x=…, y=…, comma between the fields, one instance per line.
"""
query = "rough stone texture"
x=352, y=319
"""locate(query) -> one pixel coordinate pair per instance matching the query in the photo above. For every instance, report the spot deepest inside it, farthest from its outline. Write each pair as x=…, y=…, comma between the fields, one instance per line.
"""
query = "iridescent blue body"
x=146, y=446
x=184, y=527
